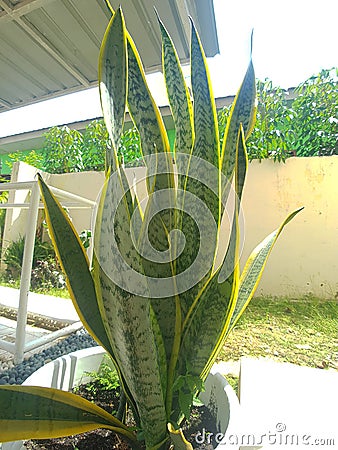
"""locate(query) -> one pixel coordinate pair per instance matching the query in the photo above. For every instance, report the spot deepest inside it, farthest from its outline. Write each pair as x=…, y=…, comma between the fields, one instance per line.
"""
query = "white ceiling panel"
x=50, y=48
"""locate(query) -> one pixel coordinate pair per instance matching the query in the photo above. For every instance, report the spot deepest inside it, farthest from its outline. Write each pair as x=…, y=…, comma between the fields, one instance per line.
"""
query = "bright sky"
x=293, y=39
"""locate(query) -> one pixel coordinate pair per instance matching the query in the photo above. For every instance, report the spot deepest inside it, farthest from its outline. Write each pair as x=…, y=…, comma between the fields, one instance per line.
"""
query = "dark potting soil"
x=102, y=439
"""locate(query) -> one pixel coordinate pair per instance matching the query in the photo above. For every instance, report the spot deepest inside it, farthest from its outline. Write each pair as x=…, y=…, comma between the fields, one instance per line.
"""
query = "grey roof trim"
x=31, y=140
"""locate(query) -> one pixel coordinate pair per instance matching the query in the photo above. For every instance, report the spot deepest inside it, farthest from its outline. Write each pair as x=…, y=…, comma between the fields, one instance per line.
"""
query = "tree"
x=62, y=152
x=68, y=150
x=273, y=131
x=305, y=126
x=316, y=115
x=34, y=158
x=95, y=142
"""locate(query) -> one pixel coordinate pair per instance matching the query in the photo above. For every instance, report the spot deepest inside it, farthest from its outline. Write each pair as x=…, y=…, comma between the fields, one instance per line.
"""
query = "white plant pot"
x=68, y=371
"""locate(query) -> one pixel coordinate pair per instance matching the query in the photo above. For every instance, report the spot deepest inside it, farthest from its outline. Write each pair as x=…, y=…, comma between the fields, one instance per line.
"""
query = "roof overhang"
x=34, y=140
x=50, y=47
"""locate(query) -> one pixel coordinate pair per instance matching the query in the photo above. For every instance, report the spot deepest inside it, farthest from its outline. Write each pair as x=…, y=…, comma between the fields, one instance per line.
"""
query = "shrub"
x=273, y=131
x=67, y=150
x=46, y=272
x=316, y=115
x=305, y=126
x=63, y=150
x=160, y=307
x=47, y=275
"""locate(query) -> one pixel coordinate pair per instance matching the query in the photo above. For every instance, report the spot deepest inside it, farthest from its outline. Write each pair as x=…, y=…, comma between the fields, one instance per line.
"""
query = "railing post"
x=26, y=273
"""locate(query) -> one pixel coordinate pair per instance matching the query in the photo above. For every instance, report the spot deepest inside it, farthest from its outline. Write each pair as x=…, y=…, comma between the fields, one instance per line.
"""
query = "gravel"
x=17, y=374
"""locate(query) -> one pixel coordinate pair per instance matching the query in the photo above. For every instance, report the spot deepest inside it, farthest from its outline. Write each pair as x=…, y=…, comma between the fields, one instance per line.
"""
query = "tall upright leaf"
x=206, y=158
x=209, y=316
x=116, y=267
x=113, y=82
x=75, y=265
x=148, y=120
x=179, y=100
x=243, y=111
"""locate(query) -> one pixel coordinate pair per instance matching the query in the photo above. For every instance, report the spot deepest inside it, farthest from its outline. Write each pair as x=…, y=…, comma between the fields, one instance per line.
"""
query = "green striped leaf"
x=154, y=140
x=243, y=112
x=209, y=316
x=129, y=316
x=148, y=120
x=159, y=270
x=135, y=345
x=74, y=262
x=206, y=144
x=206, y=155
x=179, y=97
x=182, y=112
x=153, y=242
x=242, y=162
x=30, y=412
x=142, y=106
x=113, y=82
x=204, y=329
x=253, y=270
x=224, y=293
x=156, y=224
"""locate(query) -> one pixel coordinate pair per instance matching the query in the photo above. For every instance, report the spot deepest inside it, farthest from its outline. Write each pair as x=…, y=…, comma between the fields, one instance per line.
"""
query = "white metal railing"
x=20, y=347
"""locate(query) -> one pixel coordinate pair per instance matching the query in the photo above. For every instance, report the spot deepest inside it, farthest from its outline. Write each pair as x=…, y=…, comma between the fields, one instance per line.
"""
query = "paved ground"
x=44, y=305
x=287, y=407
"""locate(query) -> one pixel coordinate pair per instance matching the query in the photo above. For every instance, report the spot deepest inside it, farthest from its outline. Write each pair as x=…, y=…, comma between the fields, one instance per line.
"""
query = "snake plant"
x=159, y=294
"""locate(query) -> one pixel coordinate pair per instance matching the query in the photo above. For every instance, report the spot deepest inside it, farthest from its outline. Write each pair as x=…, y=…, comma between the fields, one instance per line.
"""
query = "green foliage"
x=62, y=150
x=96, y=141
x=272, y=134
x=105, y=379
x=67, y=150
x=305, y=126
x=315, y=121
x=94, y=145
x=3, y=199
x=222, y=118
x=85, y=237
x=46, y=272
x=47, y=275
x=129, y=150
x=33, y=158
x=13, y=257
x=161, y=310
x=187, y=386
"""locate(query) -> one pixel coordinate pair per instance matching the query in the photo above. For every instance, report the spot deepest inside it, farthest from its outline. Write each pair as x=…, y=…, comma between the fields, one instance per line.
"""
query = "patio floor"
x=7, y=333
x=44, y=305
x=285, y=406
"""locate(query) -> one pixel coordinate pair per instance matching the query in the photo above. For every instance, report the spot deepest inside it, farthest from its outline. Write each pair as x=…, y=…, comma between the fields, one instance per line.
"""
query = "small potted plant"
x=160, y=295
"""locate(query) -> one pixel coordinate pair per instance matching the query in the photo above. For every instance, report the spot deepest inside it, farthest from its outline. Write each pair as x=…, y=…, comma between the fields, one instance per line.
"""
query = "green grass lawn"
x=303, y=332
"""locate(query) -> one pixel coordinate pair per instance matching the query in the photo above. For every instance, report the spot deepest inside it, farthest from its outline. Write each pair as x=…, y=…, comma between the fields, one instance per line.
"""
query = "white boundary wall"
x=305, y=258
